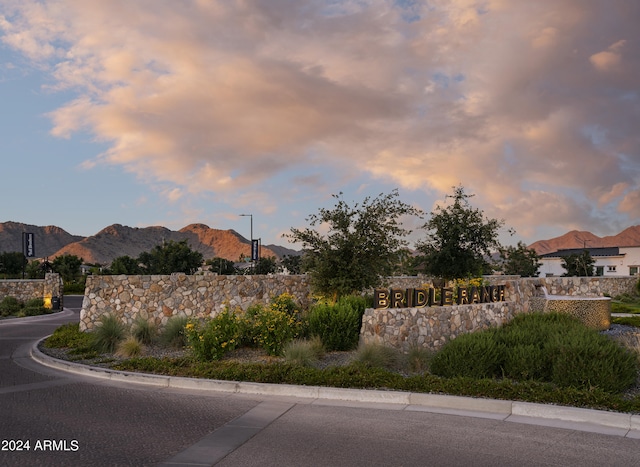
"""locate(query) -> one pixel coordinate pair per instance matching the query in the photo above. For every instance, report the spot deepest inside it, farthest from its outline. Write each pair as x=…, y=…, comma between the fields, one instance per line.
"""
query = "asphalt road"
x=70, y=420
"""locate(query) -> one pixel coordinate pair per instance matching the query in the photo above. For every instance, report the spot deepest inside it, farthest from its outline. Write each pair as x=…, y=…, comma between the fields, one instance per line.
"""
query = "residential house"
x=609, y=262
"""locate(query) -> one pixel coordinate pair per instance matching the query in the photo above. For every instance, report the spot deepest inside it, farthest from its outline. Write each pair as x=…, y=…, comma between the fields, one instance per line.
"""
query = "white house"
x=609, y=262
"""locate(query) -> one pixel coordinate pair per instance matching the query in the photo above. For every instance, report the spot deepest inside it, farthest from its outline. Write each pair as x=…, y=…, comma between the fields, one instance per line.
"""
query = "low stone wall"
x=27, y=289
x=432, y=327
x=589, y=286
x=593, y=312
x=158, y=298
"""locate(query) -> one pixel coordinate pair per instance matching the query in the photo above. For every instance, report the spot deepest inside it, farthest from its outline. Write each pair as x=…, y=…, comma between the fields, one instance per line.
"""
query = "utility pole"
x=250, y=216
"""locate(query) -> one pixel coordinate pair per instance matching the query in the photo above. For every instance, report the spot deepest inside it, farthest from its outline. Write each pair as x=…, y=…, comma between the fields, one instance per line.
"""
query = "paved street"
x=78, y=420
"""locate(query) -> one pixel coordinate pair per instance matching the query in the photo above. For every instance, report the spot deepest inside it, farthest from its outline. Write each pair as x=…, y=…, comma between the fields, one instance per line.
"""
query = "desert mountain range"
x=118, y=240
x=584, y=239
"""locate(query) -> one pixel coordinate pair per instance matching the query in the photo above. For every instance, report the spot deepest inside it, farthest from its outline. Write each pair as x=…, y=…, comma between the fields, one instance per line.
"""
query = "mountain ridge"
x=584, y=239
x=119, y=240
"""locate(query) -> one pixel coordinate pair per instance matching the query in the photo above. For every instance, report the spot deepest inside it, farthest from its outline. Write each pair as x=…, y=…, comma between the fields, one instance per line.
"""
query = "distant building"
x=609, y=262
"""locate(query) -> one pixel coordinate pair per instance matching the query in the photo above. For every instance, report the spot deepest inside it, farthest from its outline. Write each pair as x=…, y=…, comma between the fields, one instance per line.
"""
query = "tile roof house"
x=609, y=261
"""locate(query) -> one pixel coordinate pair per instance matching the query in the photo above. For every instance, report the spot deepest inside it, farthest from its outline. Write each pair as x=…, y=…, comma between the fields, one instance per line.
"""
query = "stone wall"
x=26, y=289
x=432, y=327
x=589, y=286
x=158, y=298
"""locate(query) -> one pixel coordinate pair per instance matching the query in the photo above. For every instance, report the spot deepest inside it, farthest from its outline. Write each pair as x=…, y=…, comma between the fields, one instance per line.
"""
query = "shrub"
x=108, y=334
x=34, y=303
x=130, y=347
x=144, y=331
x=75, y=287
x=249, y=330
x=554, y=348
x=9, y=306
x=631, y=342
x=33, y=311
x=34, y=307
x=477, y=355
x=211, y=339
x=418, y=359
x=303, y=352
x=285, y=303
x=272, y=328
x=589, y=359
x=173, y=334
x=338, y=325
x=378, y=356
x=69, y=336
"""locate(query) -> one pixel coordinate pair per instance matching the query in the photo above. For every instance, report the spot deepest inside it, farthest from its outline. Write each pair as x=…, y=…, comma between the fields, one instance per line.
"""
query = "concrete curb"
x=612, y=423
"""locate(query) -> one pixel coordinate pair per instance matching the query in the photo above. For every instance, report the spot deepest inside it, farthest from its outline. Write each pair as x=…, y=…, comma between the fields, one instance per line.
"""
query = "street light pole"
x=250, y=216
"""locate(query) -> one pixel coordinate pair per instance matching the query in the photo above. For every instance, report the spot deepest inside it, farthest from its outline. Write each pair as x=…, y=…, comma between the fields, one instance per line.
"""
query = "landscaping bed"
x=348, y=369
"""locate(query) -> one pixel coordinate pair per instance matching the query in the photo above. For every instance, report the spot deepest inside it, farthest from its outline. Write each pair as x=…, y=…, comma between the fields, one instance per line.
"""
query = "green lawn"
x=625, y=306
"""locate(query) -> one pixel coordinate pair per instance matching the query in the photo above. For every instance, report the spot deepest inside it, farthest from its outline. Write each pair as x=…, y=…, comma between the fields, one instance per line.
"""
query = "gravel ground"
x=243, y=354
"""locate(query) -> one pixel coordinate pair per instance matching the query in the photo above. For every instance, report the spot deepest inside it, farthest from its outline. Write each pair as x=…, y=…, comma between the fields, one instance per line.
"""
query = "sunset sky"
x=166, y=112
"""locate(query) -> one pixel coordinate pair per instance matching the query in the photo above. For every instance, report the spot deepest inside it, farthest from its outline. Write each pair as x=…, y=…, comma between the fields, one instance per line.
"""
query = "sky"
x=166, y=112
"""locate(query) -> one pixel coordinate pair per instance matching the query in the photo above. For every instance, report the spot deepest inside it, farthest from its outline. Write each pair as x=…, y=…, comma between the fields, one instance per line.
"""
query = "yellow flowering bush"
x=272, y=327
x=211, y=339
x=469, y=283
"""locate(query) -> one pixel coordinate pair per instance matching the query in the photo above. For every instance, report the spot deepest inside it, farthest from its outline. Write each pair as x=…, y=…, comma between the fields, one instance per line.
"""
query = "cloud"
x=532, y=105
x=610, y=59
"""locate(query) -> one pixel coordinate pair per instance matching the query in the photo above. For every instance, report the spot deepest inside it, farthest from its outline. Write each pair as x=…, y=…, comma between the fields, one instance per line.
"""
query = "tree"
x=578, y=264
x=124, y=265
x=458, y=240
x=169, y=258
x=36, y=270
x=292, y=264
x=12, y=263
x=361, y=245
x=222, y=266
x=68, y=266
x=520, y=260
x=266, y=266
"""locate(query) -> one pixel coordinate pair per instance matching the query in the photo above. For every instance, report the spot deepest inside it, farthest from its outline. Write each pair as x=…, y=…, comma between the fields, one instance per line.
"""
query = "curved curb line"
x=613, y=423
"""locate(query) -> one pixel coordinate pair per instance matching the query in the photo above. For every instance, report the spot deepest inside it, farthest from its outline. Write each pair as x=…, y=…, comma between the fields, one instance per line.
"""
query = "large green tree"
x=292, y=264
x=361, y=245
x=578, y=264
x=266, y=266
x=520, y=260
x=459, y=238
x=68, y=266
x=12, y=263
x=222, y=266
x=124, y=265
x=169, y=258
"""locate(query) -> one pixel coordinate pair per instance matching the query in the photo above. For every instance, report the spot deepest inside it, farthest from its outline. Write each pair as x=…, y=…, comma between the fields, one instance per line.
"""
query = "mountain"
x=118, y=240
x=47, y=240
x=582, y=239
